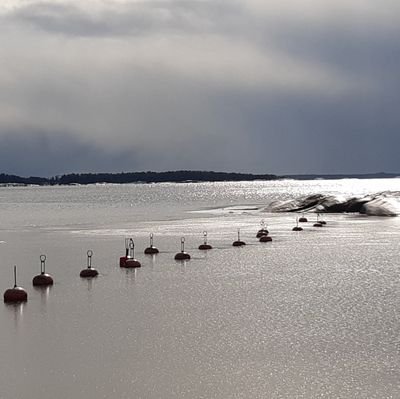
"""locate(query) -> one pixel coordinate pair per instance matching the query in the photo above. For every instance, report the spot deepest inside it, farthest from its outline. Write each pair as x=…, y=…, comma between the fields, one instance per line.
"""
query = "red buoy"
x=205, y=246
x=303, y=219
x=130, y=260
x=265, y=238
x=122, y=259
x=43, y=279
x=130, y=263
x=263, y=231
x=15, y=294
x=238, y=242
x=151, y=250
x=89, y=271
x=182, y=255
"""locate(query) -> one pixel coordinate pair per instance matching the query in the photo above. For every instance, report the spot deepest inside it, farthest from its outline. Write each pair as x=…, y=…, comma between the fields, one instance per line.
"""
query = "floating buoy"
x=182, y=255
x=205, y=246
x=89, y=271
x=130, y=261
x=42, y=279
x=318, y=223
x=263, y=231
x=303, y=219
x=238, y=242
x=123, y=259
x=15, y=294
x=297, y=227
x=265, y=238
x=151, y=250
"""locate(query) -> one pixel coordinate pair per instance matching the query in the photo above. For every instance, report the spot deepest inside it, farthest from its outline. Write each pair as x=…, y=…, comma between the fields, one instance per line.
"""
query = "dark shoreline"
x=181, y=176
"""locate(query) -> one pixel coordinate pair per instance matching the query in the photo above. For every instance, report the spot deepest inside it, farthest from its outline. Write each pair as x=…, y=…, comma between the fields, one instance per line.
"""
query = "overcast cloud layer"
x=235, y=85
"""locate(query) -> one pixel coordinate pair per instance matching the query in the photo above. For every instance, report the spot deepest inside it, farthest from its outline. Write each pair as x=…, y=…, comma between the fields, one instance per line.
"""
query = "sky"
x=284, y=87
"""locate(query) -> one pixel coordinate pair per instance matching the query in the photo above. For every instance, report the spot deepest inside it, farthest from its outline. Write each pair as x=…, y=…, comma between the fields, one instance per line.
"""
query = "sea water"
x=313, y=314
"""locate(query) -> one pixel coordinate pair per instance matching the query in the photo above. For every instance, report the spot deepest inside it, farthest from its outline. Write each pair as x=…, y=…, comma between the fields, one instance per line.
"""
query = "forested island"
x=179, y=176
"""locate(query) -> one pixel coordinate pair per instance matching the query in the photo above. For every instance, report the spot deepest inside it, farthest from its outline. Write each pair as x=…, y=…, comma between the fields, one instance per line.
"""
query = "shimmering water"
x=312, y=314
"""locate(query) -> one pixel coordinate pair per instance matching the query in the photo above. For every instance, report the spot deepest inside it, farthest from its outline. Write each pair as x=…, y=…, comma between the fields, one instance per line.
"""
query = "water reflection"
x=17, y=311
x=130, y=275
x=89, y=284
x=153, y=260
x=204, y=255
x=44, y=292
x=302, y=318
x=183, y=265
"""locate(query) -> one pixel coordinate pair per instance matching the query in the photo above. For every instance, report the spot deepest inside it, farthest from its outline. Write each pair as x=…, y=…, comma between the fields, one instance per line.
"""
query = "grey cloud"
x=60, y=18
x=126, y=105
x=138, y=18
x=293, y=133
x=36, y=153
x=283, y=134
x=352, y=49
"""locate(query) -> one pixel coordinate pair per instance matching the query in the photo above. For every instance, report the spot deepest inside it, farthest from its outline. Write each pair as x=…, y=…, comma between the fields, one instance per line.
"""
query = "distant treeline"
x=134, y=177
x=12, y=179
x=178, y=176
x=380, y=175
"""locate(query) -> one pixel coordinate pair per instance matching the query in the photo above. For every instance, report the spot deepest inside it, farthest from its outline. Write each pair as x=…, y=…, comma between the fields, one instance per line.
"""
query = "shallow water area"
x=311, y=314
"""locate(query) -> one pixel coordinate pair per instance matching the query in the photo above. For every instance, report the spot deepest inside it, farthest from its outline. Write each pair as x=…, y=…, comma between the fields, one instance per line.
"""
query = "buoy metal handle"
x=238, y=234
x=15, y=276
x=182, y=244
x=262, y=223
x=151, y=240
x=42, y=264
x=131, y=248
x=126, y=247
x=89, y=258
x=205, y=237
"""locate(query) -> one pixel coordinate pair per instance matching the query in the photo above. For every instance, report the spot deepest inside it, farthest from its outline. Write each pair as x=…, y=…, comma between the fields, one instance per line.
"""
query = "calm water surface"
x=310, y=315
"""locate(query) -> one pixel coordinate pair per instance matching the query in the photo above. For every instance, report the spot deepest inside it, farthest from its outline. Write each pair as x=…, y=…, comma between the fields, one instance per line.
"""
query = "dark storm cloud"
x=328, y=135
x=242, y=86
x=42, y=154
